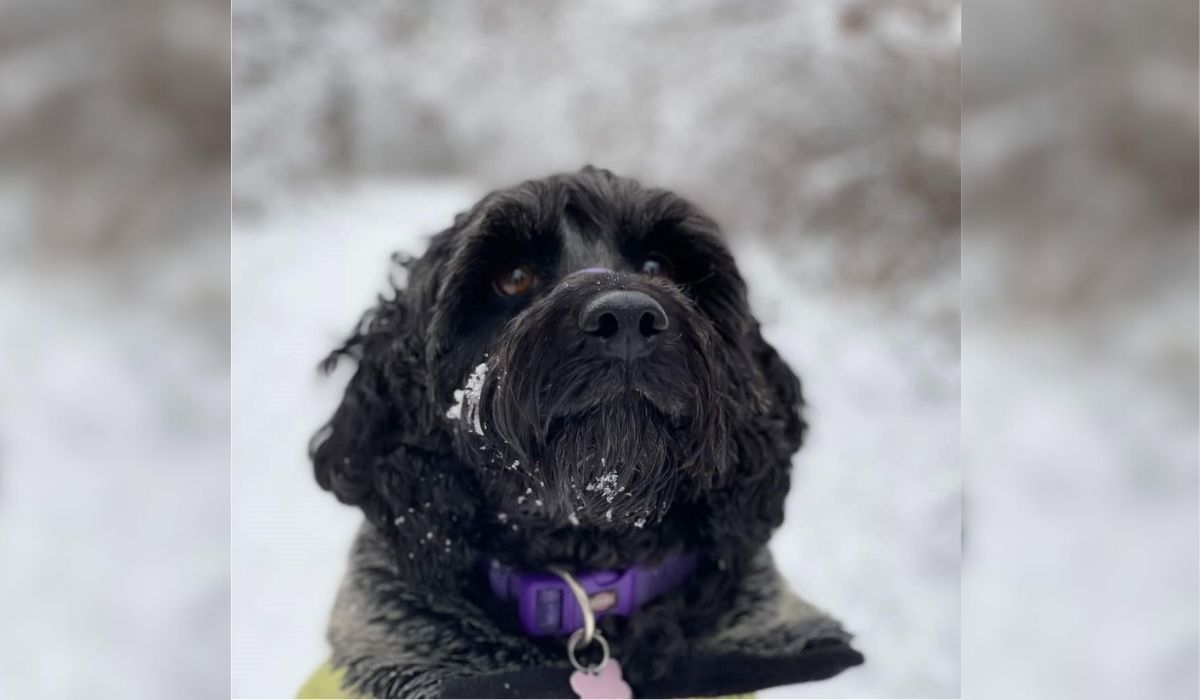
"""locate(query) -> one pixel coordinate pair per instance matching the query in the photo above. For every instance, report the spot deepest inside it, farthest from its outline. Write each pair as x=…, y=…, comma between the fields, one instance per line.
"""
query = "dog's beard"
x=618, y=464
x=615, y=463
x=609, y=452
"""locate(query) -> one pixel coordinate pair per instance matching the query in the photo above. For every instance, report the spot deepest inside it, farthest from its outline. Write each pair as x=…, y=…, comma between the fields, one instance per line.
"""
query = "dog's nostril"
x=650, y=325
x=607, y=327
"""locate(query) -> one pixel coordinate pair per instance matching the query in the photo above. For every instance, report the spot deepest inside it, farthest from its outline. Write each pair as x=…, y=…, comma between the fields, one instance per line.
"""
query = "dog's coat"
x=503, y=420
x=765, y=637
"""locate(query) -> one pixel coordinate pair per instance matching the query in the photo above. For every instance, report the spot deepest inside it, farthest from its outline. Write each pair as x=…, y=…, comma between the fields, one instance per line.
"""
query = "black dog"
x=573, y=377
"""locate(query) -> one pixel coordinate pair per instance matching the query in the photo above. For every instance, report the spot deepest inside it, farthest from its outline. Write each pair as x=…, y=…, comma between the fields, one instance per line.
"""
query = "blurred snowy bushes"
x=113, y=126
x=827, y=121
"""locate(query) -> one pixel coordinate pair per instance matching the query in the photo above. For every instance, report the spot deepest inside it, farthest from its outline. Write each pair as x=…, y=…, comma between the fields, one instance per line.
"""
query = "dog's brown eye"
x=516, y=282
x=656, y=266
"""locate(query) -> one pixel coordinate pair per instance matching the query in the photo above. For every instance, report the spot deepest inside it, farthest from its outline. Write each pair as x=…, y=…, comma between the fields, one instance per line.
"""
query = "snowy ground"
x=873, y=525
x=114, y=520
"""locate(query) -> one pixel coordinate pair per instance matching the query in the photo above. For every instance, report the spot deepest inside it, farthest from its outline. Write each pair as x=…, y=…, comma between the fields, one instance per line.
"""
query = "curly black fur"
x=568, y=456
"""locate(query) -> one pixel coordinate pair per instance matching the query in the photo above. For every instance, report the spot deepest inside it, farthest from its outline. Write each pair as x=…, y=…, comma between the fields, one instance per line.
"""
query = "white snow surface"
x=873, y=517
x=114, y=441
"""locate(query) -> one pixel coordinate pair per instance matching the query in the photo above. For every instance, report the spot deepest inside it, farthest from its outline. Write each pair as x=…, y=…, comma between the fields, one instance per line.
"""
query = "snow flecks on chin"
x=574, y=519
x=639, y=523
x=466, y=400
x=606, y=485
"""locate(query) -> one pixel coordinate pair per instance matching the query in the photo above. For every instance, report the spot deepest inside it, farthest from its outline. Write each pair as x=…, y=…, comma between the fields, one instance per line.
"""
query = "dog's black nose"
x=626, y=320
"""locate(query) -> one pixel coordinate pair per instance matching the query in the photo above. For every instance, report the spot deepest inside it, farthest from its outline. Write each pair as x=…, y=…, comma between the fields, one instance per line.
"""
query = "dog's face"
x=597, y=337
x=575, y=352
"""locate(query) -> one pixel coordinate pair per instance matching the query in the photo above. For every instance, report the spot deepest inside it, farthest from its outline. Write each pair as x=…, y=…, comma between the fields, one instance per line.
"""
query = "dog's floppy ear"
x=370, y=422
x=748, y=501
x=785, y=399
x=386, y=406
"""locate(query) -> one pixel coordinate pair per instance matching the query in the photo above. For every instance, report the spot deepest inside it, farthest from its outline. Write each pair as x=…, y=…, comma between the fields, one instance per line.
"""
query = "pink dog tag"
x=605, y=684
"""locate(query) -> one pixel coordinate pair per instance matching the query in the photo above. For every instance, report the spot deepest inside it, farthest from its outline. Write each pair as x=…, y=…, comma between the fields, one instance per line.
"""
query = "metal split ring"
x=588, y=633
x=605, y=652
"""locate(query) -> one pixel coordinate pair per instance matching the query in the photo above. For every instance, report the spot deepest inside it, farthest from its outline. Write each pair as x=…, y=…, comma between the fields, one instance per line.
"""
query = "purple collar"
x=546, y=606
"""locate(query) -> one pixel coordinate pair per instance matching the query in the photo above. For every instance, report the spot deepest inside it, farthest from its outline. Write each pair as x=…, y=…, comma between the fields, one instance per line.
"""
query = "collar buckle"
x=547, y=606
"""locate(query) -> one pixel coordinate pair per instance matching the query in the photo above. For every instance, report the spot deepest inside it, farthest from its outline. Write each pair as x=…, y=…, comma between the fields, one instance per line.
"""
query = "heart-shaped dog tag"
x=604, y=684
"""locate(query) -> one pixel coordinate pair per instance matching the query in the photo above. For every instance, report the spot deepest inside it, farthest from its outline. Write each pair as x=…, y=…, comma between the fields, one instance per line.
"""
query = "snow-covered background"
x=823, y=135
x=114, y=413
x=1081, y=327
